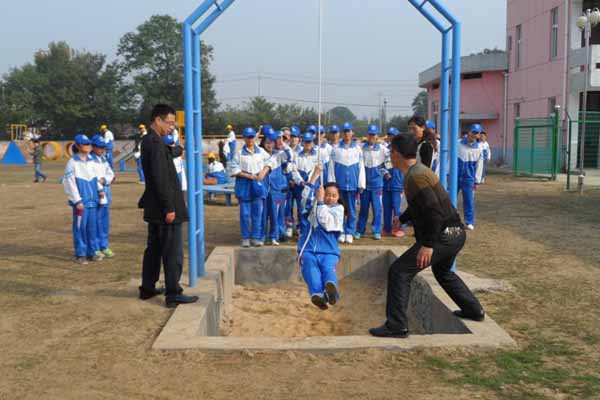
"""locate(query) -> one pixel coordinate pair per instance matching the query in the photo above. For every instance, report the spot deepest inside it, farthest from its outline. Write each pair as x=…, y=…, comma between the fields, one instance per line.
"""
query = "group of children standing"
x=87, y=180
x=272, y=177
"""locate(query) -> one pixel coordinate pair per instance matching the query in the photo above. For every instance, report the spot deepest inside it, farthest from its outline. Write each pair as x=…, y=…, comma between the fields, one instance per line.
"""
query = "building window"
x=554, y=33
x=551, y=105
x=519, y=46
x=435, y=86
x=476, y=75
x=517, y=107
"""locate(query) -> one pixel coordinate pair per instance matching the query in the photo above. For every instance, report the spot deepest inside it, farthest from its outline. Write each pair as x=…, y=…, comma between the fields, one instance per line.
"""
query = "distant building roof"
x=489, y=60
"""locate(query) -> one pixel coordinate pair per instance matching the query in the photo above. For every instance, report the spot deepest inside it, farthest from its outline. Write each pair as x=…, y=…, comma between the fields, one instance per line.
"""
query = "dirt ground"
x=79, y=332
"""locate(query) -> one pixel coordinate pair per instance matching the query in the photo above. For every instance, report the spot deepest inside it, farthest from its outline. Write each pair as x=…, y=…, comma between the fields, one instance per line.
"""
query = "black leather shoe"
x=146, y=294
x=474, y=317
x=332, y=293
x=319, y=301
x=172, y=302
x=384, y=331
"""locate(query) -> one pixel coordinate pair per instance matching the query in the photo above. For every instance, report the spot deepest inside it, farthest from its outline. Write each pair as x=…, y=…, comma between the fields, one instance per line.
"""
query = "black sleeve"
x=159, y=177
x=405, y=217
x=431, y=210
x=426, y=153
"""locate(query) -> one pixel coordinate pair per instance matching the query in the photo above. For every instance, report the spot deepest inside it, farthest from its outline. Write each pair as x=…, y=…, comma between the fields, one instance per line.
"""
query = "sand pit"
x=285, y=310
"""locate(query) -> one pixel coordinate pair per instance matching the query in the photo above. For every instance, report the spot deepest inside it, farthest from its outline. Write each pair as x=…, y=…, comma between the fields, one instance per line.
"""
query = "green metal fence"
x=591, y=151
x=536, y=147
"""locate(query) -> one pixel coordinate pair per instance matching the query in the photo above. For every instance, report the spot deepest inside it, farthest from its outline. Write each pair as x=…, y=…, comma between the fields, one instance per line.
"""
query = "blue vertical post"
x=445, y=86
x=198, y=186
x=189, y=146
x=455, y=114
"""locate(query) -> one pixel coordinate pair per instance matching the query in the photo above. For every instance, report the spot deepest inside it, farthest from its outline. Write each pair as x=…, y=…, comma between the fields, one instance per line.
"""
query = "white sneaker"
x=470, y=227
x=246, y=243
x=257, y=243
x=289, y=232
x=342, y=238
x=349, y=239
x=274, y=243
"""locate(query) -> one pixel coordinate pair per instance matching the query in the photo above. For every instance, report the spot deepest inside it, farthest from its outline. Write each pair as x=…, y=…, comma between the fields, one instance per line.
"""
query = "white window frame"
x=554, y=26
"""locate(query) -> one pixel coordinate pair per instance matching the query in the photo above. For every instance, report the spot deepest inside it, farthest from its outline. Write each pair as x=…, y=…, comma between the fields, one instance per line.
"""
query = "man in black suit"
x=164, y=211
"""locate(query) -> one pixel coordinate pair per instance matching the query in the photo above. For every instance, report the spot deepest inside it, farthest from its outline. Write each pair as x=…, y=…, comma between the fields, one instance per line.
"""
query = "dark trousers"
x=165, y=244
x=404, y=269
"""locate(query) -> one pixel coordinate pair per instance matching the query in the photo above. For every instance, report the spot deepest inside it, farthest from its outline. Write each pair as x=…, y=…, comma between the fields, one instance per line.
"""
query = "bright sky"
x=372, y=49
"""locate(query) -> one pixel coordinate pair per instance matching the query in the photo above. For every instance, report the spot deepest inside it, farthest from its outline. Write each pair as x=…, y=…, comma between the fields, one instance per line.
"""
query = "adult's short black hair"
x=162, y=110
x=418, y=120
x=405, y=144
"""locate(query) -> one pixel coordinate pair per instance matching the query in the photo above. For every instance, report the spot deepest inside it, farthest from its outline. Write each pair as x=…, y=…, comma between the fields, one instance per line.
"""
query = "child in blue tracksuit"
x=278, y=187
x=393, y=186
x=318, y=245
x=347, y=169
x=374, y=155
x=304, y=164
x=249, y=167
x=105, y=176
x=470, y=171
x=293, y=196
x=81, y=186
x=487, y=153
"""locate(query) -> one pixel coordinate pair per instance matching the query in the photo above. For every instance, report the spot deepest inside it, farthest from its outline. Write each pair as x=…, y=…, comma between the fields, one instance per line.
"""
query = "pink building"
x=544, y=63
x=483, y=79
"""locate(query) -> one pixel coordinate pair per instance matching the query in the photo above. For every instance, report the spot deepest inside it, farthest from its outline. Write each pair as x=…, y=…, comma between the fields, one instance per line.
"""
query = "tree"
x=420, y=104
x=338, y=115
x=64, y=90
x=153, y=55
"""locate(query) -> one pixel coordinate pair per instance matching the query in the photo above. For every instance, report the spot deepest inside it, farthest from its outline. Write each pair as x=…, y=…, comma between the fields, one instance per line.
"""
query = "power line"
x=403, y=108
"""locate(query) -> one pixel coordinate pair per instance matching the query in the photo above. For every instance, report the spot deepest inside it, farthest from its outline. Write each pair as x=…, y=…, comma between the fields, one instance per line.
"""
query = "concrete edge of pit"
x=196, y=326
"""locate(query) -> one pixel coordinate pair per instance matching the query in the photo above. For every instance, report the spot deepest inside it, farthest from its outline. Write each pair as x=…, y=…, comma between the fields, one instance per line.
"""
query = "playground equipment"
x=198, y=22
x=17, y=131
x=51, y=151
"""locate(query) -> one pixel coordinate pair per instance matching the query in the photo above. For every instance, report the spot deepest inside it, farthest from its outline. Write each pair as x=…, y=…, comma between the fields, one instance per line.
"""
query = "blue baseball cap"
x=311, y=129
x=430, y=124
x=347, y=126
x=295, y=131
x=249, y=133
x=82, y=139
x=334, y=129
x=273, y=135
x=308, y=137
x=265, y=129
x=169, y=140
x=476, y=128
x=393, y=131
x=322, y=129
x=98, y=141
x=373, y=130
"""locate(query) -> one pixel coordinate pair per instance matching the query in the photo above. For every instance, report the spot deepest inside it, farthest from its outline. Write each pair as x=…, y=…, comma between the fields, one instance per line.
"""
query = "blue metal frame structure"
x=199, y=21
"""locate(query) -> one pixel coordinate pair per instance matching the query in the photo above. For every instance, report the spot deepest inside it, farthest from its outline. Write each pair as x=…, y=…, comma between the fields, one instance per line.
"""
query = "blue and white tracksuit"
x=278, y=188
x=109, y=139
x=250, y=193
x=81, y=186
x=230, y=146
x=487, y=157
x=294, y=196
x=138, y=159
x=105, y=176
x=347, y=169
x=470, y=171
x=217, y=170
x=319, y=248
x=326, y=150
x=374, y=158
x=392, y=195
x=304, y=165
x=179, y=164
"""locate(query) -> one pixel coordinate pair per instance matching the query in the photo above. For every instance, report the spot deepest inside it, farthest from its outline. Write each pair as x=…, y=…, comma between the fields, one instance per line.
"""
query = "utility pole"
x=384, y=117
x=259, y=77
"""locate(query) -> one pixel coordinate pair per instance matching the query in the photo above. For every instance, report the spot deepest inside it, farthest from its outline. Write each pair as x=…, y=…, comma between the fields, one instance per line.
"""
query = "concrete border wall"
x=196, y=326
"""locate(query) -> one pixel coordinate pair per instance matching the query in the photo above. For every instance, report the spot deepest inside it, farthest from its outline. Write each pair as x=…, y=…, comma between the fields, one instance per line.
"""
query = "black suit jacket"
x=163, y=190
